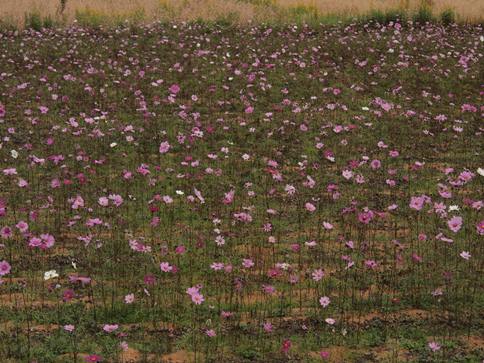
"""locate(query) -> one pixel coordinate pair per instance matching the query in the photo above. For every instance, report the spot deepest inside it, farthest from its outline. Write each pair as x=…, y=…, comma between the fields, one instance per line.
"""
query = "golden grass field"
x=241, y=11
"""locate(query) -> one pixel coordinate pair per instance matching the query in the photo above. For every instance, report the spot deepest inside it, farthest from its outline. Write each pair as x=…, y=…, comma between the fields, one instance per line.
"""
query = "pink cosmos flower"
x=6, y=232
x=69, y=328
x=129, y=299
x=247, y=263
x=226, y=314
x=269, y=289
x=164, y=147
x=310, y=207
x=371, y=264
x=4, y=268
x=35, y=242
x=78, y=202
x=210, y=333
x=317, y=274
x=324, y=301
x=197, y=298
x=480, y=228
x=375, y=164
x=347, y=174
x=22, y=226
x=109, y=328
x=43, y=109
x=229, y=197
x=174, y=89
x=434, y=346
x=243, y=217
x=198, y=194
x=93, y=358
x=116, y=199
x=417, y=203
x=286, y=346
x=365, y=217
x=324, y=354
x=166, y=267
x=149, y=279
x=124, y=346
x=180, y=250
x=193, y=290
x=167, y=199
x=330, y=321
x=47, y=240
x=68, y=295
x=217, y=266
x=455, y=223
x=267, y=327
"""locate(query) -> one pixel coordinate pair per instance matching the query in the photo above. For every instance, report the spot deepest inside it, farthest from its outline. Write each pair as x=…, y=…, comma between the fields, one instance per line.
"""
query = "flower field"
x=215, y=193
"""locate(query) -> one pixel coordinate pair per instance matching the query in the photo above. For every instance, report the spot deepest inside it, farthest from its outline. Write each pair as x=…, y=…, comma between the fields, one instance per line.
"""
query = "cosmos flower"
x=5, y=268
x=324, y=301
x=164, y=147
x=455, y=223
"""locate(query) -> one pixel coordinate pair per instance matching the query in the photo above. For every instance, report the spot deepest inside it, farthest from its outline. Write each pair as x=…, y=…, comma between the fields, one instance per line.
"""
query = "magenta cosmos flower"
x=93, y=358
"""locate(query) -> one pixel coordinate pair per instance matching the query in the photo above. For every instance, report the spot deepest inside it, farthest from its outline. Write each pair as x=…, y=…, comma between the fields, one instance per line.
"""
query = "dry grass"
x=242, y=11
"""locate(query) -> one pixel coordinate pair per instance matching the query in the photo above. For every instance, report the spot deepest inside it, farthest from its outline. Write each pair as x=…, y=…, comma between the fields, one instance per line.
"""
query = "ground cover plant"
x=211, y=193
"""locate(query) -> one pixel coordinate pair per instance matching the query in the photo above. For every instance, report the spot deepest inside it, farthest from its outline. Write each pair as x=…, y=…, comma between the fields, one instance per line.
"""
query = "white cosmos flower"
x=14, y=154
x=480, y=171
x=50, y=274
x=113, y=144
x=453, y=208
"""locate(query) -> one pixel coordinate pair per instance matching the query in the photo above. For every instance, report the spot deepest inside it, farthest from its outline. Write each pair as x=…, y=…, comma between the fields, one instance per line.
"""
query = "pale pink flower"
x=103, y=201
x=317, y=274
x=434, y=346
x=109, y=328
x=324, y=301
x=164, y=147
x=455, y=223
x=210, y=333
x=129, y=299
x=69, y=328
x=198, y=298
x=247, y=263
x=330, y=321
x=310, y=207
x=166, y=267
